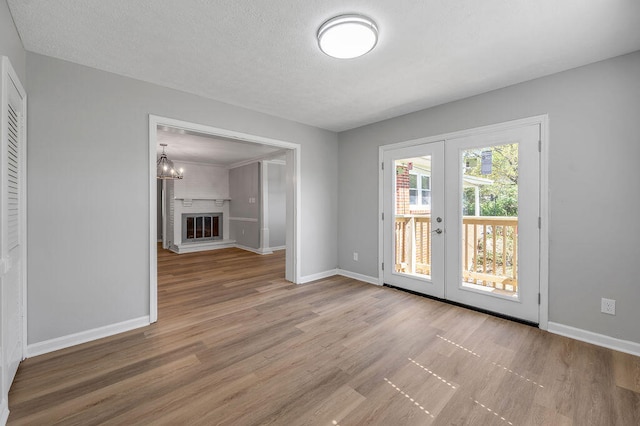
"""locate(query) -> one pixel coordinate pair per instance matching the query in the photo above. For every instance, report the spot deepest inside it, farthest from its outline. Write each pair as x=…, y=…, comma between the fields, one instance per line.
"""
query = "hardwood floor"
x=235, y=344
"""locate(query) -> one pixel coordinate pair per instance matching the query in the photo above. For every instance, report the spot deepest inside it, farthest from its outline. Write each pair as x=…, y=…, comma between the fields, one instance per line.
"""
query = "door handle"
x=437, y=231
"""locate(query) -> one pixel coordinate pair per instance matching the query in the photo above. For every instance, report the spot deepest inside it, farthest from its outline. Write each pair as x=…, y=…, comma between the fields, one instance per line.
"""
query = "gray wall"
x=88, y=174
x=594, y=231
x=10, y=44
x=244, y=184
x=277, y=197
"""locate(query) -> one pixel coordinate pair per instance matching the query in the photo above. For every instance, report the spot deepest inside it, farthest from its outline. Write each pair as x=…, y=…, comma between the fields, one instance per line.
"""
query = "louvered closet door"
x=12, y=218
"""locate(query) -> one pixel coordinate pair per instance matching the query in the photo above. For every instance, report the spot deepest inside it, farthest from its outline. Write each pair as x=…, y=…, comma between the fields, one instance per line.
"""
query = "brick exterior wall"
x=402, y=190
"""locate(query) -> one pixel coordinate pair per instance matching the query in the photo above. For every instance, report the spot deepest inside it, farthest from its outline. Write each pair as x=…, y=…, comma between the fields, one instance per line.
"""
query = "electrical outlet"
x=355, y=256
x=608, y=306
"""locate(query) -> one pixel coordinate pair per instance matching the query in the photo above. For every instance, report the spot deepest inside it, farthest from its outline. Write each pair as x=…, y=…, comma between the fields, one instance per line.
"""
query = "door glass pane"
x=412, y=226
x=490, y=219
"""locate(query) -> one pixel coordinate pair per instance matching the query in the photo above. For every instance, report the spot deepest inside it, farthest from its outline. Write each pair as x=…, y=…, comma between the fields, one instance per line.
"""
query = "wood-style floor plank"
x=236, y=344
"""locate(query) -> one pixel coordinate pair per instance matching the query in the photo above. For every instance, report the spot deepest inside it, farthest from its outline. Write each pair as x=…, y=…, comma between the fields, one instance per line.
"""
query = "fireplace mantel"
x=187, y=202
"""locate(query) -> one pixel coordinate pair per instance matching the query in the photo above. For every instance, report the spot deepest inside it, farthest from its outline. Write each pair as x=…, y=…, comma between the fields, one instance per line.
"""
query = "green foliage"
x=501, y=197
x=504, y=204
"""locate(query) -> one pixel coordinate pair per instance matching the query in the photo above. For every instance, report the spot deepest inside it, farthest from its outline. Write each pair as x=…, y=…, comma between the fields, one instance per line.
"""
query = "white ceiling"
x=263, y=55
x=194, y=148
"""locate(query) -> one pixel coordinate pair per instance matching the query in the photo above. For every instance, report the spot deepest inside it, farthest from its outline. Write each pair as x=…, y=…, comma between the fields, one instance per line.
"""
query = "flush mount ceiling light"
x=165, y=168
x=347, y=36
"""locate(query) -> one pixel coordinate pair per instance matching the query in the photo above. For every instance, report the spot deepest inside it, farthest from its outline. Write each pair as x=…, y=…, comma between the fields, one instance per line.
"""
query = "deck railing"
x=489, y=248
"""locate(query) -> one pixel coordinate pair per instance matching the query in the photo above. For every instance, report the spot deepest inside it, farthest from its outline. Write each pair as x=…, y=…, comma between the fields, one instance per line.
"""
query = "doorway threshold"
x=462, y=305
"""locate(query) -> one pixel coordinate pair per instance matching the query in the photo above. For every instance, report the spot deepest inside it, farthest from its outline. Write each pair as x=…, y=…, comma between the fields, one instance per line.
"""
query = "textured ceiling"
x=194, y=148
x=263, y=55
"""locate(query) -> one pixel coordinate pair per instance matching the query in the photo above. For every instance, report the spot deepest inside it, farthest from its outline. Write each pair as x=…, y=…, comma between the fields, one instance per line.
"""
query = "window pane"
x=412, y=223
x=413, y=181
x=426, y=198
x=426, y=182
x=490, y=259
x=413, y=196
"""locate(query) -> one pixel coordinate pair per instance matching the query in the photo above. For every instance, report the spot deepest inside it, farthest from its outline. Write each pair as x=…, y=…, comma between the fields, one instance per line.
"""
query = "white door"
x=461, y=220
x=12, y=224
x=493, y=255
x=413, y=218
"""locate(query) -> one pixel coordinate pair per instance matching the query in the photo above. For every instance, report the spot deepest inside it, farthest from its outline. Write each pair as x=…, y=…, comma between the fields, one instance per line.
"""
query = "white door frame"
x=543, y=122
x=293, y=193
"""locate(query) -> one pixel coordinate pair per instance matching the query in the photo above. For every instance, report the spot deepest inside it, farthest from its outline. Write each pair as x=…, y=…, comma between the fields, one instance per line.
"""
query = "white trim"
x=203, y=246
x=544, y=222
x=265, y=157
x=276, y=162
x=294, y=252
x=254, y=250
x=202, y=198
x=264, y=208
x=605, y=341
x=23, y=209
x=63, y=342
x=153, y=221
x=4, y=411
x=200, y=163
x=244, y=219
x=215, y=245
x=318, y=276
x=381, y=151
x=359, y=277
x=543, y=122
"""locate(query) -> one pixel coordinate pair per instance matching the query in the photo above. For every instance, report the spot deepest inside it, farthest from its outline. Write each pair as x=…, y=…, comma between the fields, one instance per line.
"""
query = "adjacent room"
x=319, y=213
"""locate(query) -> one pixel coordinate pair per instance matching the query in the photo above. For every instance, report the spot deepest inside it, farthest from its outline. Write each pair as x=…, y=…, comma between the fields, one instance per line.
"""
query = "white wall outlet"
x=608, y=306
x=355, y=256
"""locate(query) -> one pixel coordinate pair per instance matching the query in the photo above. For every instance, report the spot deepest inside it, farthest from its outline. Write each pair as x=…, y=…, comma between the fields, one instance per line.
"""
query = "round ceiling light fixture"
x=347, y=36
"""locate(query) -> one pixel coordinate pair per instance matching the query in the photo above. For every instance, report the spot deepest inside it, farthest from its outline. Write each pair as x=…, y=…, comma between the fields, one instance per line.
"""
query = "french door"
x=414, y=236
x=461, y=220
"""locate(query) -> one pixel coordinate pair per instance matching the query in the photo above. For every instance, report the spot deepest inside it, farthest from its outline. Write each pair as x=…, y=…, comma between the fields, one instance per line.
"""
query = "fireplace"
x=198, y=227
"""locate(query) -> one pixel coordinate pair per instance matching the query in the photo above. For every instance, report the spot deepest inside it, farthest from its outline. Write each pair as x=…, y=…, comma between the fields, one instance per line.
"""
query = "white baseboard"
x=359, y=277
x=4, y=410
x=605, y=341
x=342, y=272
x=266, y=250
x=254, y=250
x=318, y=276
x=196, y=247
x=58, y=343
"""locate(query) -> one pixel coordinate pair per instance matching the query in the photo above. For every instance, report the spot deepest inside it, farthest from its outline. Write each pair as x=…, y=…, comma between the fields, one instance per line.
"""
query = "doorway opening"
x=241, y=158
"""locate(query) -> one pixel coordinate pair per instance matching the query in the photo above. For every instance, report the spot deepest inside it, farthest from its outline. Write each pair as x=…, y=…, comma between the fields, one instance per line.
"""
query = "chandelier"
x=165, y=168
